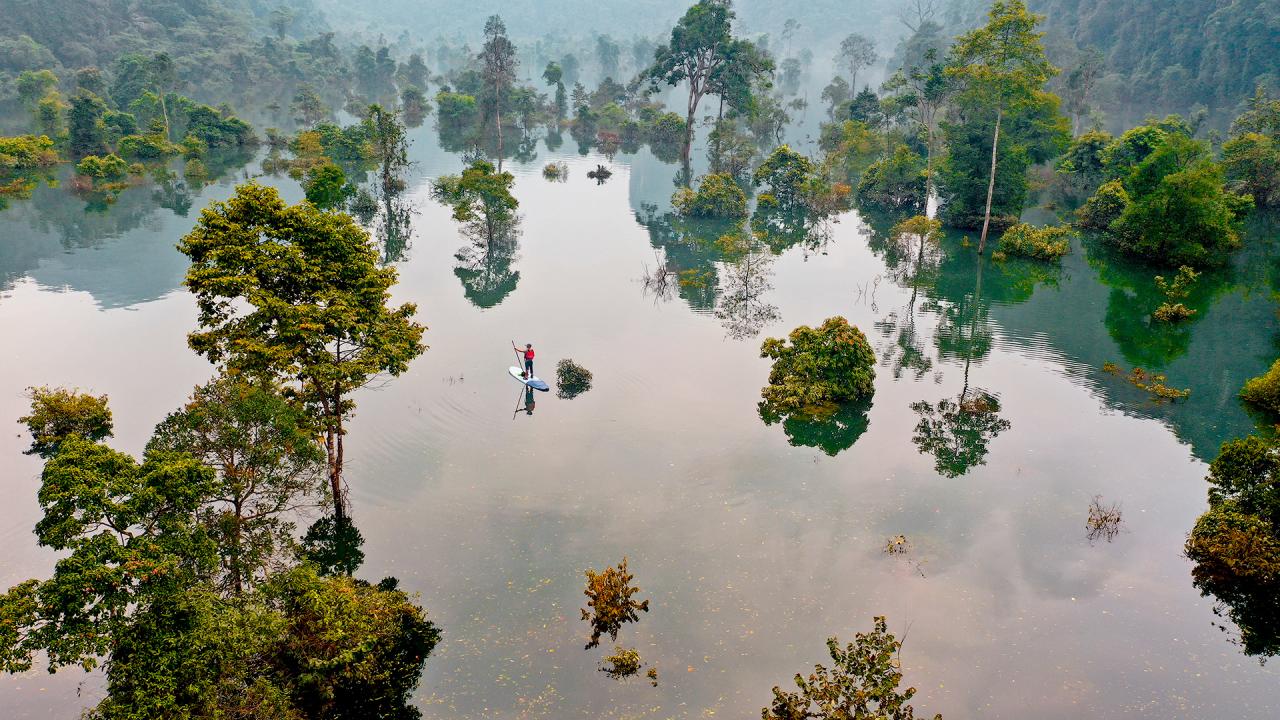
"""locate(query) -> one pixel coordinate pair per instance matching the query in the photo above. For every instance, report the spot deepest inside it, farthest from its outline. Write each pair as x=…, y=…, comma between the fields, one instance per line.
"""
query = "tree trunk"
x=164, y=110
x=991, y=183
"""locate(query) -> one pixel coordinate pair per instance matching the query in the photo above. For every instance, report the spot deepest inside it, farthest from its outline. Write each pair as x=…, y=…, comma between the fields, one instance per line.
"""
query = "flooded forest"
x=651, y=359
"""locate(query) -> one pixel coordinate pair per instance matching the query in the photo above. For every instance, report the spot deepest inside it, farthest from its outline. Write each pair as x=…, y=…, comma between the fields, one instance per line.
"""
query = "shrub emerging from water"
x=1153, y=383
x=571, y=379
x=1105, y=206
x=27, y=151
x=107, y=167
x=815, y=369
x=1263, y=392
x=862, y=683
x=610, y=596
x=895, y=182
x=1043, y=243
x=1236, y=544
x=557, y=171
x=718, y=196
x=622, y=664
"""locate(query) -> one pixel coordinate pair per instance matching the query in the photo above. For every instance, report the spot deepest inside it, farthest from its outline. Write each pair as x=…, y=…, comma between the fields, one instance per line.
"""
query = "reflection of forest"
x=133, y=258
x=1093, y=309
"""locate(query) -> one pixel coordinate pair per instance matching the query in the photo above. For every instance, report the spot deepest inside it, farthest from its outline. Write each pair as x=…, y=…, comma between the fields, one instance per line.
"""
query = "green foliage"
x=861, y=684
x=1104, y=207
x=1043, y=243
x=610, y=599
x=456, y=109
x=147, y=147
x=216, y=131
x=1251, y=163
x=1187, y=219
x=571, y=379
x=694, y=55
x=786, y=173
x=1236, y=544
x=294, y=293
x=127, y=536
x=108, y=167
x=481, y=200
x=266, y=463
x=1083, y=160
x=1031, y=131
x=717, y=196
x=326, y=186
x=59, y=413
x=820, y=368
x=851, y=147
x=304, y=646
x=26, y=151
x=87, y=132
x=1263, y=392
x=895, y=182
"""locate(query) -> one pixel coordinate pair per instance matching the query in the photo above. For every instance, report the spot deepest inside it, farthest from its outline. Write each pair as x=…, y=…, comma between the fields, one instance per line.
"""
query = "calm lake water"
x=754, y=543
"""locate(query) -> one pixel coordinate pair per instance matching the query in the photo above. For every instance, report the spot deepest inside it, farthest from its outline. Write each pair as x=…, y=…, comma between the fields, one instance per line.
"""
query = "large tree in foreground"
x=296, y=294
x=694, y=55
x=1004, y=61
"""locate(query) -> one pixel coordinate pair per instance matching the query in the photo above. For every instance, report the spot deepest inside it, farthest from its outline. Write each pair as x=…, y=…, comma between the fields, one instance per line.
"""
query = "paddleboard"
x=533, y=382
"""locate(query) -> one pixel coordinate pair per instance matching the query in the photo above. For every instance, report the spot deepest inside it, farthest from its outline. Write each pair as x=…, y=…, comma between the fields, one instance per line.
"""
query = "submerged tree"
x=1236, y=544
x=694, y=54
x=482, y=201
x=957, y=432
x=610, y=596
x=1003, y=62
x=296, y=294
x=58, y=413
x=498, y=66
x=861, y=684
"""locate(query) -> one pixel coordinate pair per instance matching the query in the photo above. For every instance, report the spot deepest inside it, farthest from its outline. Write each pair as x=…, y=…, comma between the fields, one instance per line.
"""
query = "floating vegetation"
x=571, y=379
x=622, y=664
x=652, y=674
x=1104, y=520
x=897, y=545
x=1174, y=290
x=556, y=171
x=1153, y=383
x=600, y=174
x=609, y=597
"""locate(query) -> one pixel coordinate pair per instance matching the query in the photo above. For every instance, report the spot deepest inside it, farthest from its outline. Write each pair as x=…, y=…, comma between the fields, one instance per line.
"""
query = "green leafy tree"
x=861, y=684
x=297, y=294
x=1236, y=544
x=499, y=63
x=1185, y=219
x=857, y=52
x=127, y=536
x=87, y=133
x=926, y=90
x=816, y=369
x=554, y=75
x=895, y=182
x=481, y=200
x=309, y=106
x=59, y=413
x=326, y=186
x=786, y=173
x=717, y=196
x=693, y=55
x=1004, y=62
x=1252, y=166
x=267, y=467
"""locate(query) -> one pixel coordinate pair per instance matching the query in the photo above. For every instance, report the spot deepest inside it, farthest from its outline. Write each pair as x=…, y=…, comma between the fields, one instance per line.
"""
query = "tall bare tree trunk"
x=991, y=183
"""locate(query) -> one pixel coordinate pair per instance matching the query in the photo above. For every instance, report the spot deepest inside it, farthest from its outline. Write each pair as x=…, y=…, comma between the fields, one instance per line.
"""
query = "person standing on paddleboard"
x=528, y=359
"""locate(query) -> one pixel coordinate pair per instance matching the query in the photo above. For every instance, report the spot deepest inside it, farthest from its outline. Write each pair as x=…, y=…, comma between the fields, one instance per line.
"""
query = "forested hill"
x=1170, y=54
x=79, y=33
